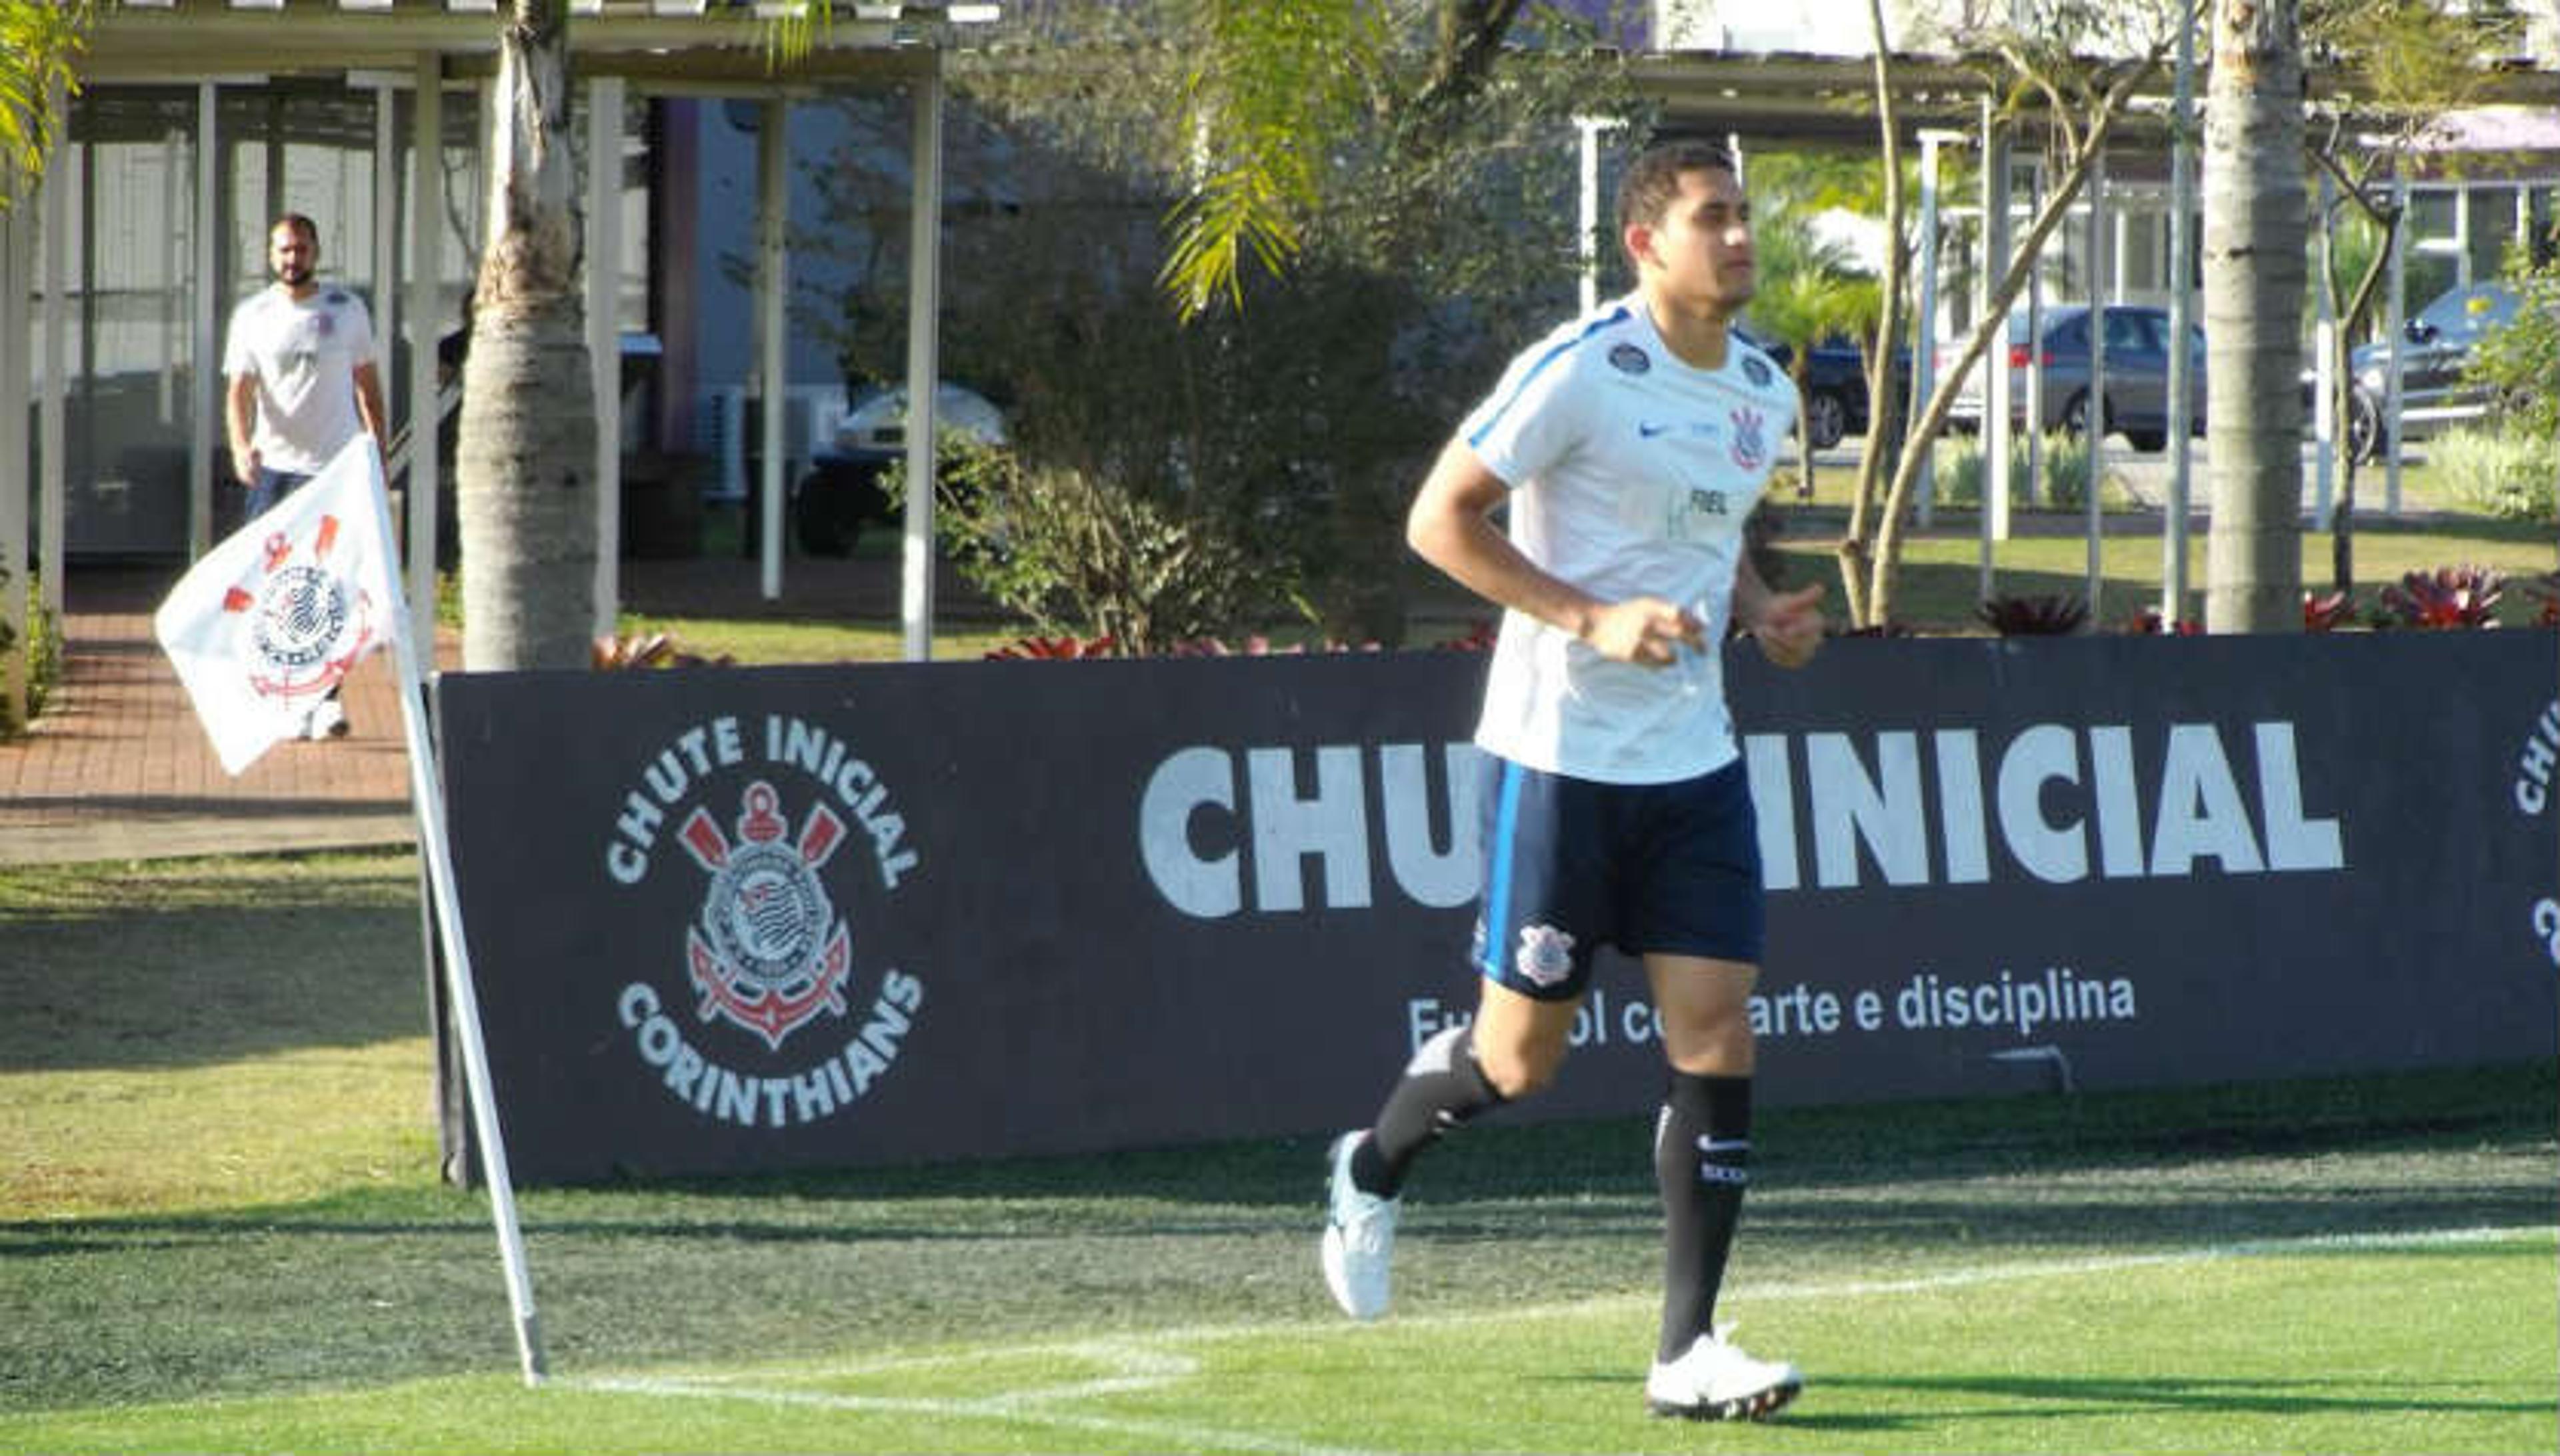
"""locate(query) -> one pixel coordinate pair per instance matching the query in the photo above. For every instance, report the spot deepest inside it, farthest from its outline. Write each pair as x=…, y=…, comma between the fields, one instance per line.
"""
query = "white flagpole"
x=427, y=799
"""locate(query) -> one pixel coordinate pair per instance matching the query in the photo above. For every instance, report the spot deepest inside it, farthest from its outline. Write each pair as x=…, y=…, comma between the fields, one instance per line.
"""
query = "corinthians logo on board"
x=764, y=1012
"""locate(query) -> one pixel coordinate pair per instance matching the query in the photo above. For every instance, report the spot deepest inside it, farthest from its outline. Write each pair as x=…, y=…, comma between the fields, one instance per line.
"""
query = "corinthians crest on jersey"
x=762, y=1012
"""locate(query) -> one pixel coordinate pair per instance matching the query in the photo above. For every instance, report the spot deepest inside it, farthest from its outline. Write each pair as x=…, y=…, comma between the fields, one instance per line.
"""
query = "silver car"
x=2136, y=385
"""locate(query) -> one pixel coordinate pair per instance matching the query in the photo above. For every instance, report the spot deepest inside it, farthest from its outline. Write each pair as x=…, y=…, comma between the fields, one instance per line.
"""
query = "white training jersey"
x=1631, y=474
x=304, y=353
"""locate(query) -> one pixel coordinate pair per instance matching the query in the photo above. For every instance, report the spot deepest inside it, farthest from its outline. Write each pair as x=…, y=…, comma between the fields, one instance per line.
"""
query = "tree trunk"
x=524, y=461
x=1882, y=398
x=2255, y=258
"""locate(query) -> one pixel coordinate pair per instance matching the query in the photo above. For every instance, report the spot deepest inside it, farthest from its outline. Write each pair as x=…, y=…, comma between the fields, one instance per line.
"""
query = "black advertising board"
x=726, y=920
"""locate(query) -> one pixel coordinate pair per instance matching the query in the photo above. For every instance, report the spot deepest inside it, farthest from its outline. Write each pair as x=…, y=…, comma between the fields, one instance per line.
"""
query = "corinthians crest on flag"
x=284, y=608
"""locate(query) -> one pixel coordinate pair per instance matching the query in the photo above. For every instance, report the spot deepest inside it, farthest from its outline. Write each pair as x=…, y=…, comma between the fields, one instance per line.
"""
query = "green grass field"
x=220, y=1230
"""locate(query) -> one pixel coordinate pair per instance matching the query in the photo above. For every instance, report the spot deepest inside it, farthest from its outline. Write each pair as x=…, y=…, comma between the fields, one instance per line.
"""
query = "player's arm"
x=240, y=413
x=369, y=403
x=1450, y=526
x=1788, y=625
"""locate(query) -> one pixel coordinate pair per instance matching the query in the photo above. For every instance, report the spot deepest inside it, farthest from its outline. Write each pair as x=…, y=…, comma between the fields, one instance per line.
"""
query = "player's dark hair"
x=299, y=224
x=1652, y=180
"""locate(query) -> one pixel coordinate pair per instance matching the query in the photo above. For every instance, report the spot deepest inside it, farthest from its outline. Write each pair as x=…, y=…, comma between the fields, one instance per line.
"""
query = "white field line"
x=1150, y=1360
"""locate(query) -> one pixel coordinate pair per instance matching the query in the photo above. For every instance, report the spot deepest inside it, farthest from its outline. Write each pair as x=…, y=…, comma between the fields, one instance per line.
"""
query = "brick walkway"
x=118, y=768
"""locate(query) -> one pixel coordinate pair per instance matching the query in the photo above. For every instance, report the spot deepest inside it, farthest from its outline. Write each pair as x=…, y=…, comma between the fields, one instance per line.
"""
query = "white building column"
x=204, y=425
x=387, y=190
x=425, y=305
x=17, y=227
x=54, y=228
x=604, y=334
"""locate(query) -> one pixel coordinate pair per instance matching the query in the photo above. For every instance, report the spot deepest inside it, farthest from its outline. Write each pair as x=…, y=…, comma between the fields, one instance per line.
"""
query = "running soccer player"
x=1628, y=446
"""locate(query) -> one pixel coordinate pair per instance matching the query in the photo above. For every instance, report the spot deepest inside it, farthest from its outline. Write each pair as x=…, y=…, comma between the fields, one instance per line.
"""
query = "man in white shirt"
x=1628, y=446
x=300, y=359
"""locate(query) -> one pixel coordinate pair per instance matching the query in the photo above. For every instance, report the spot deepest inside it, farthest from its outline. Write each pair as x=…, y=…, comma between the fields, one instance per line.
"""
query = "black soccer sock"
x=1441, y=1089
x=1703, y=1158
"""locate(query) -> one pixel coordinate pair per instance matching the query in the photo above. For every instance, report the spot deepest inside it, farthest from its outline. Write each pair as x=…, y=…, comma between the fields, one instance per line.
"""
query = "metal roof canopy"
x=714, y=48
x=654, y=47
x=1780, y=96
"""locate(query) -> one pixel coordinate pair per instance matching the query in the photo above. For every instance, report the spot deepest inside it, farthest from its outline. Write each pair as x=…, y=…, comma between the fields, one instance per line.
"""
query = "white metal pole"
x=2181, y=363
x=2395, y=302
x=773, y=288
x=426, y=800
x=2097, y=412
x=1587, y=239
x=923, y=359
x=2324, y=375
x=605, y=335
x=1924, y=338
x=1996, y=379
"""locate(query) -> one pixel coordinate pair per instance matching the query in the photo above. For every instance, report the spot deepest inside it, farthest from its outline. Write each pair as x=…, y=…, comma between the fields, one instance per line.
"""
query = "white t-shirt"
x=1631, y=474
x=304, y=353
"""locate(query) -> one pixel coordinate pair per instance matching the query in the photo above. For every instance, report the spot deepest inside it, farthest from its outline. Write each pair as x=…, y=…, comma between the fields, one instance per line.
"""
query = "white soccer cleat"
x=327, y=720
x=1715, y=1381
x=1358, y=1247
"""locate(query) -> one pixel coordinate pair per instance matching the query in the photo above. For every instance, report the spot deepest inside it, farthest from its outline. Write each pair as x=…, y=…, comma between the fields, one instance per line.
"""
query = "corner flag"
x=266, y=623
x=276, y=615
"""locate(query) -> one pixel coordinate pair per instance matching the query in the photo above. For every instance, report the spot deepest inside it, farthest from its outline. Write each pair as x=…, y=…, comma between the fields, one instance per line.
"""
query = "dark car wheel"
x=2149, y=441
x=1825, y=419
x=2363, y=427
x=2075, y=416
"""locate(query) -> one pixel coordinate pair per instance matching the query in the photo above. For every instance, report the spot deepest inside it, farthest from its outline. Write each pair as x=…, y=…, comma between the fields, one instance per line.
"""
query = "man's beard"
x=294, y=278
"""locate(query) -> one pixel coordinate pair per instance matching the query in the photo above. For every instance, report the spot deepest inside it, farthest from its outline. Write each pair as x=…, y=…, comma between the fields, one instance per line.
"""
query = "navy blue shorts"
x=1571, y=865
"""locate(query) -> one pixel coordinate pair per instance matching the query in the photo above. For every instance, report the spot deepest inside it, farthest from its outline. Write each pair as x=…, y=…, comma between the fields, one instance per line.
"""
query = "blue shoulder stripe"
x=1609, y=320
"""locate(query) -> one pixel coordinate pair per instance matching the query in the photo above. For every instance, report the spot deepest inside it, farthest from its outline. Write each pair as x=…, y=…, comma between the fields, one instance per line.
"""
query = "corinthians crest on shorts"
x=768, y=951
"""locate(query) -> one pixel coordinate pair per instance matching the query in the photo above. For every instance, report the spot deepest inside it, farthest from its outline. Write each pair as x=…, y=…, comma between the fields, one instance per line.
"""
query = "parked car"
x=842, y=491
x=1835, y=386
x=2434, y=350
x=2137, y=384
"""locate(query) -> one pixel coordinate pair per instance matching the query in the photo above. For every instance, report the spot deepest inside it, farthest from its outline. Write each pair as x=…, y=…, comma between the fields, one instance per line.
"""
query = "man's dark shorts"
x=1571, y=865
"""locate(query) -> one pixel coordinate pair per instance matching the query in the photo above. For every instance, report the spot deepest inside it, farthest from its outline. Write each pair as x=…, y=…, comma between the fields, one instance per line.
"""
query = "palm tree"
x=40, y=46
x=2254, y=270
x=1806, y=295
x=524, y=459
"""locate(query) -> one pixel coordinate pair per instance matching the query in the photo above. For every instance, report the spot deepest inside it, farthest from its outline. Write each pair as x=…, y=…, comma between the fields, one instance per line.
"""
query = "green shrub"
x=2066, y=475
x=44, y=656
x=1083, y=556
x=2508, y=475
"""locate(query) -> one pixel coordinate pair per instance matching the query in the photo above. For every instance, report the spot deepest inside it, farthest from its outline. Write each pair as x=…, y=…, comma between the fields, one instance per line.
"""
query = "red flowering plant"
x=2055, y=615
x=2447, y=598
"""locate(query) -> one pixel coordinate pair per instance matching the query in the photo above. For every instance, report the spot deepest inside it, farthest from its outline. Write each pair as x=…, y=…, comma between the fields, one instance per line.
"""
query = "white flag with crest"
x=276, y=615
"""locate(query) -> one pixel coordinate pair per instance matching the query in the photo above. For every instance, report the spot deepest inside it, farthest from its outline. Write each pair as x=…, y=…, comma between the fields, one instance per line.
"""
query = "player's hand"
x=1790, y=628
x=1645, y=630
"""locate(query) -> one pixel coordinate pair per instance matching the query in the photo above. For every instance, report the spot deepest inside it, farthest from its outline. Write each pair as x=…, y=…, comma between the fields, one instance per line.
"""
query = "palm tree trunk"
x=524, y=463
x=2255, y=258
